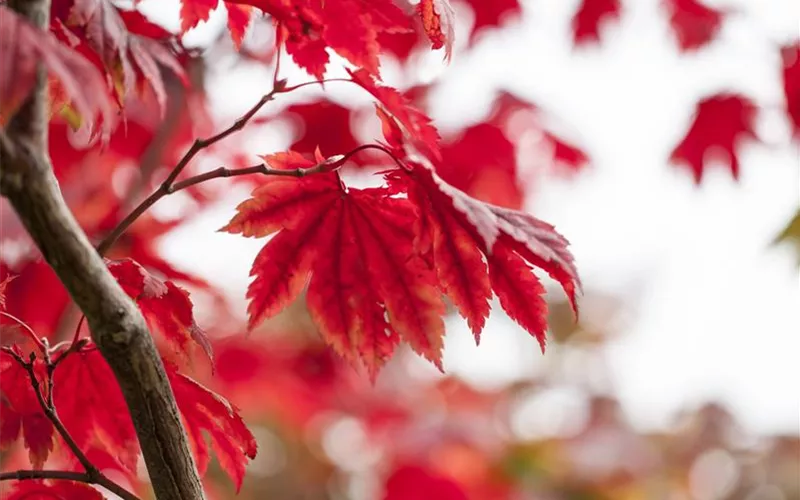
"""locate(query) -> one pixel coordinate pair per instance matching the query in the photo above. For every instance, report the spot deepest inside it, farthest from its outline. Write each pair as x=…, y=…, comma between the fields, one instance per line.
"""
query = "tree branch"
x=117, y=326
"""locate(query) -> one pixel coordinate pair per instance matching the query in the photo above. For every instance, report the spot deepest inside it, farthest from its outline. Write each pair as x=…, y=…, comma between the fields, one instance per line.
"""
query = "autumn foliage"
x=375, y=265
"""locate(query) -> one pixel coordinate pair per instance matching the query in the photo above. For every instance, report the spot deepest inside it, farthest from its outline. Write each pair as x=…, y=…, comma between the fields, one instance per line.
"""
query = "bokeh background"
x=680, y=381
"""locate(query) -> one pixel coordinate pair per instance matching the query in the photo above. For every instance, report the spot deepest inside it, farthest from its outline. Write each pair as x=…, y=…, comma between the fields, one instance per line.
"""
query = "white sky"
x=717, y=310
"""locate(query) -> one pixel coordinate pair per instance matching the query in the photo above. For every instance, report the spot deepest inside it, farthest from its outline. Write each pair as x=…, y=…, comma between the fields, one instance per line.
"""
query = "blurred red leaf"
x=325, y=125
x=790, y=56
x=22, y=47
x=58, y=490
x=720, y=123
x=36, y=296
x=482, y=162
x=694, y=23
x=492, y=14
x=412, y=482
x=590, y=17
x=129, y=60
x=21, y=410
x=564, y=153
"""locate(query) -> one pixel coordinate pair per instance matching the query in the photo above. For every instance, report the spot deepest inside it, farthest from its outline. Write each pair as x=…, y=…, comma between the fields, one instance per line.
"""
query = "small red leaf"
x=590, y=17
x=91, y=406
x=130, y=61
x=238, y=20
x=205, y=411
x=720, y=123
x=324, y=124
x=412, y=481
x=438, y=19
x=165, y=306
x=790, y=56
x=22, y=411
x=694, y=24
x=193, y=12
x=22, y=46
x=492, y=14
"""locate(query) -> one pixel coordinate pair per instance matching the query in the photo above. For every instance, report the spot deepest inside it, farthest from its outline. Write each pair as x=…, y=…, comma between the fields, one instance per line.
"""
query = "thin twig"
x=332, y=164
x=167, y=187
x=80, y=477
x=316, y=82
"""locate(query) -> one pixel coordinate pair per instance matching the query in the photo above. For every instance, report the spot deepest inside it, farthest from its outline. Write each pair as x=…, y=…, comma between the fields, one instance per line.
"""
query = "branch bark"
x=118, y=328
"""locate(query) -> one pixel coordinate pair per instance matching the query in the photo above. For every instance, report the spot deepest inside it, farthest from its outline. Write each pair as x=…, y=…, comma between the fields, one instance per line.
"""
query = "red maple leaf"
x=165, y=306
x=491, y=14
x=518, y=117
x=36, y=296
x=349, y=27
x=193, y=12
x=564, y=153
x=506, y=237
x=482, y=162
x=589, y=18
x=205, y=411
x=438, y=19
x=325, y=125
x=22, y=47
x=694, y=24
x=362, y=263
x=55, y=490
x=21, y=410
x=375, y=260
x=92, y=408
x=790, y=56
x=720, y=123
